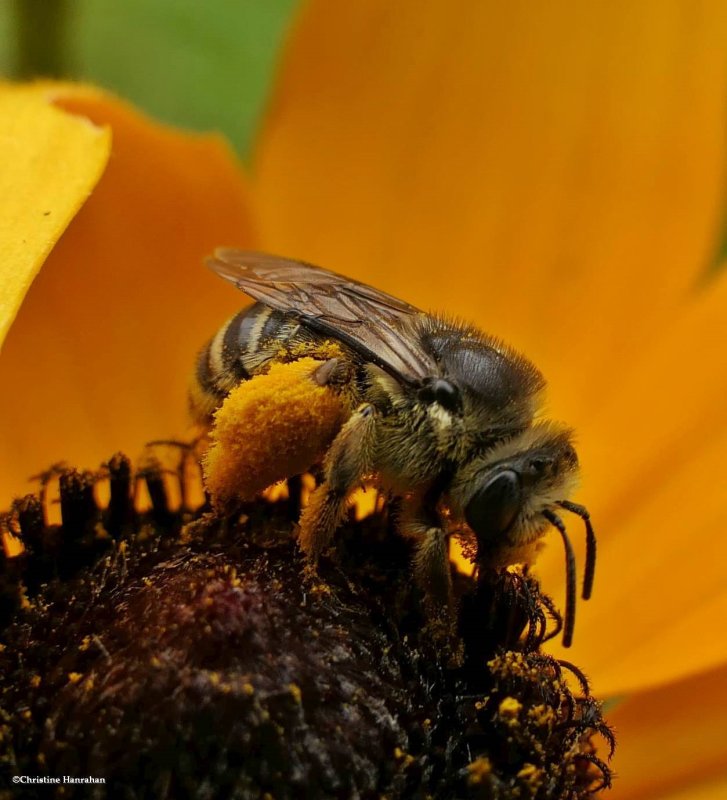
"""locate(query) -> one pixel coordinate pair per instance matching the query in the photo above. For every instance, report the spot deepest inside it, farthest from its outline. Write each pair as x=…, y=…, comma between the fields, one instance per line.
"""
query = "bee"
x=442, y=416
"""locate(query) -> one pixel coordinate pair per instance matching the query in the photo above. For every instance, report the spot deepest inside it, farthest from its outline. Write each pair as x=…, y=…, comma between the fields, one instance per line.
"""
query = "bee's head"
x=509, y=497
x=503, y=493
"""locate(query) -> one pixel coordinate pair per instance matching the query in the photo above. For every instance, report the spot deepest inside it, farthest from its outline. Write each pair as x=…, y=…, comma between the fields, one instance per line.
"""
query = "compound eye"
x=443, y=393
x=493, y=509
x=538, y=466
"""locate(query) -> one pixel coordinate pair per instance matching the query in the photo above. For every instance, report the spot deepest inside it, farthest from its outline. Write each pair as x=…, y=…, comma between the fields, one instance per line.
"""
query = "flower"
x=556, y=175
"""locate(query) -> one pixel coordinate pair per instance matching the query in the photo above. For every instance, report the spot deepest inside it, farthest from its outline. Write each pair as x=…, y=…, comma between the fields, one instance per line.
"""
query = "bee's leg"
x=295, y=492
x=347, y=462
x=431, y=560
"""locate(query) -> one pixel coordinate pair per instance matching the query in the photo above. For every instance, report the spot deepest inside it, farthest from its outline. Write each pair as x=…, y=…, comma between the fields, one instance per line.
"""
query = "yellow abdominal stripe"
x=269, y=428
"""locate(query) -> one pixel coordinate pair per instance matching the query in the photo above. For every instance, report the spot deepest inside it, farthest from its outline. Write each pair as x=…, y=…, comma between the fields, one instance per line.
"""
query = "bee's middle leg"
x=347, y=462
x=431, y=559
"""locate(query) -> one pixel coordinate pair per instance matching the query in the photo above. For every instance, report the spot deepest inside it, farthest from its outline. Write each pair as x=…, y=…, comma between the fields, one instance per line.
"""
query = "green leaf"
x=205, y=66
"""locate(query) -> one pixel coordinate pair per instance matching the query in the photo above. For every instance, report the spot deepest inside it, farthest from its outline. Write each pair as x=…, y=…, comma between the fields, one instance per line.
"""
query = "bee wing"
x=369, y=321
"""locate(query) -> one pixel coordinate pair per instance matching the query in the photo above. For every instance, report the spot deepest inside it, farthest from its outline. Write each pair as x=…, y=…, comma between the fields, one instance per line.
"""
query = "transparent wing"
x=372, y=323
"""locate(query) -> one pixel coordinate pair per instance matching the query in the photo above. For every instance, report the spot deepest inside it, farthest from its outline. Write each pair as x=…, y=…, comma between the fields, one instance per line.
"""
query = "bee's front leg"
x=431, y=560
x=347, y=462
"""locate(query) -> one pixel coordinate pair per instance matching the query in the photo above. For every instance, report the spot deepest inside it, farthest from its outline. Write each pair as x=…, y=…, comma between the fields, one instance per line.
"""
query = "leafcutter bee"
x=442, y=416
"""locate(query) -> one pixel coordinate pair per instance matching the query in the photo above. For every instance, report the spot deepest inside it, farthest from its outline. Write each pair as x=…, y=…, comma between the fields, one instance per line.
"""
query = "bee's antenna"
x=570, y=578
x=590, y=571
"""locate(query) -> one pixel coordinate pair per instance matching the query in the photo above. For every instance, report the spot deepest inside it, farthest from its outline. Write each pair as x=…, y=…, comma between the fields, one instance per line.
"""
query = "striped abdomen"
x=244, y=345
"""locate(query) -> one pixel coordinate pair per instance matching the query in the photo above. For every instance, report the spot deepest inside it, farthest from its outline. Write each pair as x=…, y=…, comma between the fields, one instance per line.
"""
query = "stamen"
x=570, y=578
x=605, y=771
x=172, y=443
x=78, y=505
x=120, y=510
x=187, y=457
x=591, y=720
x=153, y=477
x=578, y=674
x=44, y=478
x=555, y=617
x=590, y=571
x=31, y=521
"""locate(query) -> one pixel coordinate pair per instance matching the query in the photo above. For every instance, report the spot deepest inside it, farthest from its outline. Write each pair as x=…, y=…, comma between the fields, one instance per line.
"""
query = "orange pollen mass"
x=269, y=428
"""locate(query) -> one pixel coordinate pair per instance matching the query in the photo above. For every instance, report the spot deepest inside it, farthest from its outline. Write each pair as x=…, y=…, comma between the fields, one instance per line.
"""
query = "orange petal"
x=697, y=788
x=51, y=162
x=99, y=356
x=654, y=461
x=671, y=741
x=556, y=174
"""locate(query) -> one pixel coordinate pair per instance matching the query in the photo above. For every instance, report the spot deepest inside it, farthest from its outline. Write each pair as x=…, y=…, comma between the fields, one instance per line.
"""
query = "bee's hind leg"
x=347, y=462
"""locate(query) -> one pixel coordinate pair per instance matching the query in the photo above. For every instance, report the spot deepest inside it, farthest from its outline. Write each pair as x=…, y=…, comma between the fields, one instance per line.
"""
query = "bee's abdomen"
x=238, y=350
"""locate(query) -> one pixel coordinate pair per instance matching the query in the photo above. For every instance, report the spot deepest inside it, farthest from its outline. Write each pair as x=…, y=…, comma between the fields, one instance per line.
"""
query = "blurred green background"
x=199, y=64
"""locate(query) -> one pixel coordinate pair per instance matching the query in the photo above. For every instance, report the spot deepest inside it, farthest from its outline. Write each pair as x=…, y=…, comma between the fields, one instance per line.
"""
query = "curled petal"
x=51, y=162
x=101, y=350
